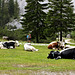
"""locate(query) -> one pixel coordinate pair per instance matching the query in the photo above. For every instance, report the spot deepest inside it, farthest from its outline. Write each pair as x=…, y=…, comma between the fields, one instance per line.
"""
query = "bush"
x=73, y=34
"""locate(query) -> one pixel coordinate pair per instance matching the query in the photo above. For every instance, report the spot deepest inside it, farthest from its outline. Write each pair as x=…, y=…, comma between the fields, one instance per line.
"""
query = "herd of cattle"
x=66, y=52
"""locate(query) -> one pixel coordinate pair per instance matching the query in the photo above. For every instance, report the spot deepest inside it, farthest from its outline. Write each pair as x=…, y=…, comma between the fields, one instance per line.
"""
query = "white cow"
x=28, y=47
x=62, y=44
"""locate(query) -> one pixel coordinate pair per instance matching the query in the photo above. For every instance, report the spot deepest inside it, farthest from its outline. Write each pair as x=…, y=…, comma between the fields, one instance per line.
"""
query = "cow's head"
x=53, y=54
x=17, y=43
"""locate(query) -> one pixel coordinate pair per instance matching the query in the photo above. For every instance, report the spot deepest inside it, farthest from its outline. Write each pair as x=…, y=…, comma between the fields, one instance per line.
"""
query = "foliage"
x=4, y=16
x=8, y=9
x=9, y=27
x=34, y=17
x=73, y=34
x=60, y=16
x=12, y=34
x=3, y=31
x=42, y=26
x=11, y=7
x=16, y=34
x=16, y=10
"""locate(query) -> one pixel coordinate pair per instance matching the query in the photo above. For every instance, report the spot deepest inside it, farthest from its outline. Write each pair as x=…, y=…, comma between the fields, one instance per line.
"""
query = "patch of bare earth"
x=38, y=72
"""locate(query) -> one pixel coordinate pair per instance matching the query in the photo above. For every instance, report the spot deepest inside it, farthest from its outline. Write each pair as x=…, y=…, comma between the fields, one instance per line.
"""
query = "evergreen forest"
x=44, y=26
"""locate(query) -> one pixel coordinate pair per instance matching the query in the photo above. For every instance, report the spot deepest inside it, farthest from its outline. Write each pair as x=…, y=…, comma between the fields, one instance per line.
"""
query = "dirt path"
x=40, y=44
x=68, y=41
x=38, y=72
x=55, y=73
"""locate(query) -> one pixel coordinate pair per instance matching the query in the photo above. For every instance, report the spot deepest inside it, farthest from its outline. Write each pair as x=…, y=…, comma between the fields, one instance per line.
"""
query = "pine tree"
x=34, y=18
x=11, y=8
x=7, y=11
x=16, y=9
x=60, y=16
x=0, y=12
x=4, y=13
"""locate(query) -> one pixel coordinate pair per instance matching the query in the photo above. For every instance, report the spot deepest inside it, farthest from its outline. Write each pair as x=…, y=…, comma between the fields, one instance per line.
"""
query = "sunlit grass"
x=18, y=59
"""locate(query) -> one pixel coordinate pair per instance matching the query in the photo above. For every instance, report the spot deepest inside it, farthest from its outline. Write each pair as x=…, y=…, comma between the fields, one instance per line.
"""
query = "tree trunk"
x=60, y=35
x=37, y=37
x=61, y=21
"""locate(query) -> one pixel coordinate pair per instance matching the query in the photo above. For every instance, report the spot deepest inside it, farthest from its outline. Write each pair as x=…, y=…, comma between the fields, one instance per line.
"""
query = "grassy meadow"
x=19, y=62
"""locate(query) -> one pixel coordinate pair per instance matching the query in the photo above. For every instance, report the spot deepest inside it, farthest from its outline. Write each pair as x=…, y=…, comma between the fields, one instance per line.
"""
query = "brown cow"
x=56, y=45
x=53, y=45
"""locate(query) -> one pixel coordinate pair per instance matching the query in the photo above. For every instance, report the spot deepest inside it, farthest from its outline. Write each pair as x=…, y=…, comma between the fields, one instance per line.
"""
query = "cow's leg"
x=59, y=57
x=8, y=47
x=13, y=46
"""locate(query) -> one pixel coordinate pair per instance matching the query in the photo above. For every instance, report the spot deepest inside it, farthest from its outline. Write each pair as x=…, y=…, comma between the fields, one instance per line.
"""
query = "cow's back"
x=50, y=46
x=55, y=44
x=68, y=54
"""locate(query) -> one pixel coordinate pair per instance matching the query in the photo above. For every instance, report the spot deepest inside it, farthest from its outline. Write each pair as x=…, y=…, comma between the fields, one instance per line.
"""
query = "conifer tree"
x=60, y=16
x=34, y=17
x=0, y=12
x=11, y=7
x=7, y=11
x=4, y=13
x=16, y=9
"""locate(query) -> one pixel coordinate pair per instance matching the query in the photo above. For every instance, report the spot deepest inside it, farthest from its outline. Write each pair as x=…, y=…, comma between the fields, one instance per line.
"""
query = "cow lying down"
x=56, y=45
x=28, y=47
x=68, y=53
x=9, y=44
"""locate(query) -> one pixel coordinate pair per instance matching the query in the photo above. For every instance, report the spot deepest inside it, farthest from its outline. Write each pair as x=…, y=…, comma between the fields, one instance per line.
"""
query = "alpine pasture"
x=20, y=62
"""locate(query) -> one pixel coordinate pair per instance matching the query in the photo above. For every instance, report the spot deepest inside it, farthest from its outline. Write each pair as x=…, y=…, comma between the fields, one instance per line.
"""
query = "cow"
x=17, y=44
x=68, y=53
x=56, y=45
x=1, y=45
x=53, y=45
x=5, y=37
x=61, y=45
x=9, y=44
x=28, y=47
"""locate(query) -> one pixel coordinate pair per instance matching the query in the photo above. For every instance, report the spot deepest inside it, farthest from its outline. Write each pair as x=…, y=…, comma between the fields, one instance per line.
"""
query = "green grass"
x=73, y=41
x=17, y=59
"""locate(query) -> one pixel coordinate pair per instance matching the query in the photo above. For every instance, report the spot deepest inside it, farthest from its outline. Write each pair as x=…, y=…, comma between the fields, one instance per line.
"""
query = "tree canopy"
x=60, y=16
x=8, y=10
x=34, y=18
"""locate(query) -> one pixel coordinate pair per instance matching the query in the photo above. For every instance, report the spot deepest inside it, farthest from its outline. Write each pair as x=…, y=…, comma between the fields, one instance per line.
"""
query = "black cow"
x=68, y=53
x=9, y=44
